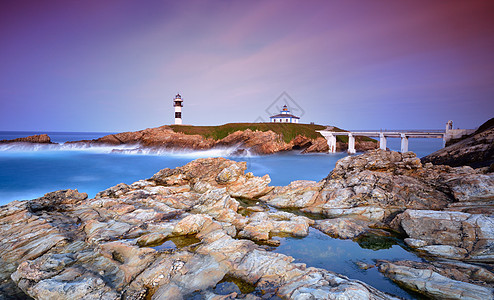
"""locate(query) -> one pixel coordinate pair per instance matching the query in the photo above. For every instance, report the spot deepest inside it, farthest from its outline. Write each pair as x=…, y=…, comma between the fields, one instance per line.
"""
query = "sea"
x=28, y=171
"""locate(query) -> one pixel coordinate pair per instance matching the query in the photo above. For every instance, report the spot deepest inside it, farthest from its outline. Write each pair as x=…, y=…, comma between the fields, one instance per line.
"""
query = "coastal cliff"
x=264, y=138
x=186, y=231
x=476, y=151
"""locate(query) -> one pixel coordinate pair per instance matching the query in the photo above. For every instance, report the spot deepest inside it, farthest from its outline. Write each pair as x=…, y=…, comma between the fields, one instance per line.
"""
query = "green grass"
x=288, y=130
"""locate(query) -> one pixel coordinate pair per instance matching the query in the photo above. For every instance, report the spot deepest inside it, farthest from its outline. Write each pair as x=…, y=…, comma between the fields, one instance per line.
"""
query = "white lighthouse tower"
x=177, y=103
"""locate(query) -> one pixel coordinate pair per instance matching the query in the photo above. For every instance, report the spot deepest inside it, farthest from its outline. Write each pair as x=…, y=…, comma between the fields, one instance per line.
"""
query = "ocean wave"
x=125, y=149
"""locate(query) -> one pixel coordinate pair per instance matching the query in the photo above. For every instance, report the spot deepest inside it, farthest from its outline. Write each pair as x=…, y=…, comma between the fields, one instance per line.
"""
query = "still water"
x=29, y=171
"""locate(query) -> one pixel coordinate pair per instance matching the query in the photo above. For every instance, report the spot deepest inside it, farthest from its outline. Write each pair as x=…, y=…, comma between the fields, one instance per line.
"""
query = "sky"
x=110, y=66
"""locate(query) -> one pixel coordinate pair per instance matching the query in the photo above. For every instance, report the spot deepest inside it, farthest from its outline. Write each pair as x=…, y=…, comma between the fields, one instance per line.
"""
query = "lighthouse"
x=177, y=103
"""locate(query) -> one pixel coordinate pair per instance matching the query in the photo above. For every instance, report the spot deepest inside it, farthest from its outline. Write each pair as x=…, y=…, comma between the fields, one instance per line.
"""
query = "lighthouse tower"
x=177, y=103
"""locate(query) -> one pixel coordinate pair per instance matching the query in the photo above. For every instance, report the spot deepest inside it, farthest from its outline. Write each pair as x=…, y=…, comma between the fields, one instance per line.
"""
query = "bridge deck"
x=391, y=134
x=382, y=135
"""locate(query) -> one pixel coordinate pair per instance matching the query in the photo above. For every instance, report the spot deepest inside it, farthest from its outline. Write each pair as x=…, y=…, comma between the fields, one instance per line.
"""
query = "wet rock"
x=427, y=280
x=364, y=266
x=415, y=243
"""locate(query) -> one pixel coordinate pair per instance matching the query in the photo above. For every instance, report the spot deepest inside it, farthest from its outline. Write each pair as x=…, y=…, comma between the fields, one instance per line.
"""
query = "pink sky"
x=116, y=65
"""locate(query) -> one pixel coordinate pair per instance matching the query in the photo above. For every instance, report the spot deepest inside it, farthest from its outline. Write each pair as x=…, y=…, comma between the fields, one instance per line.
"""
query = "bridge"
x=404, y=135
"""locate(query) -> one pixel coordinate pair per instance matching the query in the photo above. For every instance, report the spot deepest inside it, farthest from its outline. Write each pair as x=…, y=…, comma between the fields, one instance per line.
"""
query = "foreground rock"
x=38, y=139
x=441, y=280
x=476, y=151
x=449, y=234
x=174, y=236
x=183, y=233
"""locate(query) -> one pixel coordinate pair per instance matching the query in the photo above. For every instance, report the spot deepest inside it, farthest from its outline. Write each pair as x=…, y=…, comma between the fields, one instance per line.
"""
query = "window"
x=178, y=115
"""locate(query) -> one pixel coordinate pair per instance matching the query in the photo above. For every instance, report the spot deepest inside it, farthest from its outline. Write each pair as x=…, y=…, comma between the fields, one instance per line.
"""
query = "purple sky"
x=116, y=65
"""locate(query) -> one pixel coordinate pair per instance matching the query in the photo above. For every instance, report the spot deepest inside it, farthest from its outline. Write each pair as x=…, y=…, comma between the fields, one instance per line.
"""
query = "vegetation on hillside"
x=288, y=130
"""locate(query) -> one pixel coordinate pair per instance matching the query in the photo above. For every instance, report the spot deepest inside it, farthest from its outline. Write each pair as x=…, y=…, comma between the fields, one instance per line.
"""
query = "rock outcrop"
x=186, y=231
x=476, y=151
x=38, y=139
x=442, y=280
x=442, y=212
x=173, y=236
x=257, y=142
x=165, y=138
x=450, y=234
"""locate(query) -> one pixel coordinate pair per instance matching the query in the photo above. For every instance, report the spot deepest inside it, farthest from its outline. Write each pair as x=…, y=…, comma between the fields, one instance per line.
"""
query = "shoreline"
x=200, y=200
x=288, y=137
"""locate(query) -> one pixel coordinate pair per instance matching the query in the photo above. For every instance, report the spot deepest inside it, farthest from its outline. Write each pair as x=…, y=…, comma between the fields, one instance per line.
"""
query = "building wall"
x=284, y=120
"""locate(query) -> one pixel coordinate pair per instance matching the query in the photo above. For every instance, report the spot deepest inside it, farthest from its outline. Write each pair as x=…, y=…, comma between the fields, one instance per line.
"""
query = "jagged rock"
x=180, y=232
x=344, y=228
x=476, y=151
x=425, y=279
x=300, y=193
x=212, y=173
x=376, y=186
x=451, y=234
x=261, y=226
x=38, y=139
x=258, y=142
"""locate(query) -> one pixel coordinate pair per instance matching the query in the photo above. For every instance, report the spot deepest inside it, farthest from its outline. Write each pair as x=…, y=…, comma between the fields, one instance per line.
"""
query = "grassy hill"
x=288, y=130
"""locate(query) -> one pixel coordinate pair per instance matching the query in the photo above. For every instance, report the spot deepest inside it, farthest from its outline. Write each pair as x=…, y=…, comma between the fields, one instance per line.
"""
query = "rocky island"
x=188, y=231
x=257, y=138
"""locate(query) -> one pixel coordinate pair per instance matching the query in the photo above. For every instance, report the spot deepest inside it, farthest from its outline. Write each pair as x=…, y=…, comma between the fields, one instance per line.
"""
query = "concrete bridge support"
x=382, y=141
x=351, y=143
x=404, y=143
x=330, y=139
x=332, y=143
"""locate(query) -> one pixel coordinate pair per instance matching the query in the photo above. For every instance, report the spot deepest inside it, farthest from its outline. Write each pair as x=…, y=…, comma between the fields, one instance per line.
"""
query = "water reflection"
x=340, y=256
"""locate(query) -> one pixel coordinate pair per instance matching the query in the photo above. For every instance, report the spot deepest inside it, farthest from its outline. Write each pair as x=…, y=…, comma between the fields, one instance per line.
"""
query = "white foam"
x=124, y=149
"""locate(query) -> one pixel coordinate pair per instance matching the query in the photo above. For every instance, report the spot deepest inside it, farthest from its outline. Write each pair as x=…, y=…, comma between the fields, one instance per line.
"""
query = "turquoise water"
x=28, y=174
x=29, y=171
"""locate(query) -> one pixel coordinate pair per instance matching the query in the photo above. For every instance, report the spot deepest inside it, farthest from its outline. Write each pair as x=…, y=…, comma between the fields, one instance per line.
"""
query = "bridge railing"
x=399, y=130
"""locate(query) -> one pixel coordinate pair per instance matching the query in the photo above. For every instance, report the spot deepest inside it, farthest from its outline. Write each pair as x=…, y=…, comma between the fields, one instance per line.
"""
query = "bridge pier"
x=404, y=143
x=404, y=135
x=330, y=139
x=332, y=143
x=351, y=143
x=382, y=141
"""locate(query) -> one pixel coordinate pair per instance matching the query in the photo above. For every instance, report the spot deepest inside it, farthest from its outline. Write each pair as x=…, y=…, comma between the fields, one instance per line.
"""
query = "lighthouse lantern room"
x=177, y=103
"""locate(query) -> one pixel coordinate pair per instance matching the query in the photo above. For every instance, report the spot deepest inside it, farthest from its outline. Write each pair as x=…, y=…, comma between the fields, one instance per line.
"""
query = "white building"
x=177, y=103
x=284, y=117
